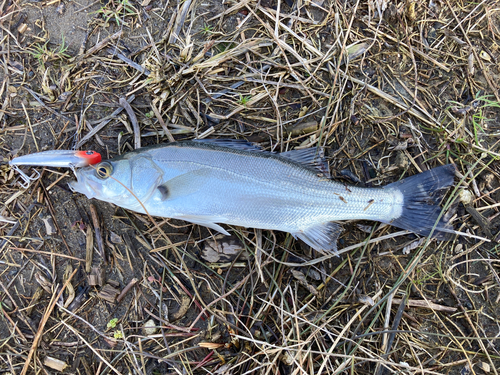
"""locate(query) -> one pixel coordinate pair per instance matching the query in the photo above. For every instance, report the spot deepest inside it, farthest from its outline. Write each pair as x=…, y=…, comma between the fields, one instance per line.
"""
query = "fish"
x=216, y=182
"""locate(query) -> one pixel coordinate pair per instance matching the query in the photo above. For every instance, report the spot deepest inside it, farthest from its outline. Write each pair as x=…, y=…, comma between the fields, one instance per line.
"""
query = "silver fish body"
x=208, y=183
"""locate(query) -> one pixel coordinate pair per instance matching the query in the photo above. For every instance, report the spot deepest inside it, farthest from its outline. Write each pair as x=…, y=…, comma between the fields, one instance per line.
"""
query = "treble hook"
x=27, y=179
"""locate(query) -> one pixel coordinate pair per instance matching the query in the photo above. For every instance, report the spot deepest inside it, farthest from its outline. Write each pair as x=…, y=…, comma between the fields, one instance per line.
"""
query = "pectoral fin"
x=184, y=185
x=321, y=237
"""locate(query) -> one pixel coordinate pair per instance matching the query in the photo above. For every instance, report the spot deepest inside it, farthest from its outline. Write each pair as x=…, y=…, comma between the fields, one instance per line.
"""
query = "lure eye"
x=103, y=170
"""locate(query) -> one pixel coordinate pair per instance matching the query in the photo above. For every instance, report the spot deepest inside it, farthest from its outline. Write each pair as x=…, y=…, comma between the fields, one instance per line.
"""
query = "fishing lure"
x=53, y=158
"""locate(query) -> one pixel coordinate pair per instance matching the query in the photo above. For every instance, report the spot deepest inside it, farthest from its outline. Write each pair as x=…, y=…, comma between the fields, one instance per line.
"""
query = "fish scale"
x=293, y=192
x=219, y=182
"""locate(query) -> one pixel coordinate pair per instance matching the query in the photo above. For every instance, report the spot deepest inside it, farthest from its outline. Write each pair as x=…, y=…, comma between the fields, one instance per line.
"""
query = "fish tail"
x=422, y=195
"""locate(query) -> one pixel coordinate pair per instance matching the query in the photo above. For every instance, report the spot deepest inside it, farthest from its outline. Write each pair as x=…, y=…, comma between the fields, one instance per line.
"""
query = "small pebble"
x=150, y=328
x=466, y=197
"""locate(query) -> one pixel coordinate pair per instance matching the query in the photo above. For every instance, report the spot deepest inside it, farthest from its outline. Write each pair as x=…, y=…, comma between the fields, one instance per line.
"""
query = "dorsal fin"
x=311, y=158
x=237, y=144
x=308, y=157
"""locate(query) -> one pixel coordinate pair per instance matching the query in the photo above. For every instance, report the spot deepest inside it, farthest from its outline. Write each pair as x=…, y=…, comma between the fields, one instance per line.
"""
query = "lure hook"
x=27, y=179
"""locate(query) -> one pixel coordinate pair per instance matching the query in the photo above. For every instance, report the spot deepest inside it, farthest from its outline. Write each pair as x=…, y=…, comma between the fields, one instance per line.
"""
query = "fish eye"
x=103, y=170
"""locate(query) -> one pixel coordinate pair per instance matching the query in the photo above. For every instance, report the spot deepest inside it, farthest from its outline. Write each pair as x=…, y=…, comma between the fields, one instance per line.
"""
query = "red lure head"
x=92, y=157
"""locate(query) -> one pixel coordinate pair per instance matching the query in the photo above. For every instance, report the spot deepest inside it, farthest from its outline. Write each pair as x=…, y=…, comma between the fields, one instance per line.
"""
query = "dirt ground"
x=389, y=89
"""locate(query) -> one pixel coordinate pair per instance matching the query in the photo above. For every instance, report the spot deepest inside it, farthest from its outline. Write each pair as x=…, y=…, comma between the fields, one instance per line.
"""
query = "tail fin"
x=422, y=195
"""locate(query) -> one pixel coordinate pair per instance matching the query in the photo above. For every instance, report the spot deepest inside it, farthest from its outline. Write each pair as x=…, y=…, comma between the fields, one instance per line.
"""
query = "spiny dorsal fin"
x=308, y=157
x=237, y=144
x=311, y=158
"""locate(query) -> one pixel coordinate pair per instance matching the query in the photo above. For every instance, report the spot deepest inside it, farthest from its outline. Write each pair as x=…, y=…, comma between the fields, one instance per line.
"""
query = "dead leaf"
x=69, y=288
x=183, y=308
x=224, y=250
x=302, y=281
x=211, y=345
x=485, y=56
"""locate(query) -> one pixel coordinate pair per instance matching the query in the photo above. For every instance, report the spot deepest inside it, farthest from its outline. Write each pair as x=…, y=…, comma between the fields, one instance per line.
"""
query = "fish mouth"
x=82, y=188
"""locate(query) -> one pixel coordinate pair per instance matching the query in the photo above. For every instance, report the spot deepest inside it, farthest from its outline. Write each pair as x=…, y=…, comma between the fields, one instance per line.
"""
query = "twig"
x=425, y=304
x=46, y=253
x=53, y=111
x=100, y=45
x=90, y=347
x=131, y=63
x=126, y=289
x=133, y=119
x=45, y=318
x=162, y=123
x=98, y=232
x=17, y=224
x=53, y=213
x=102, y=124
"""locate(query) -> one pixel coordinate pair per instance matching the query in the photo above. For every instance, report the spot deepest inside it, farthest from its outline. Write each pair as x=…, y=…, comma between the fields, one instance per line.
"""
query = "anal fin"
x=321, y=237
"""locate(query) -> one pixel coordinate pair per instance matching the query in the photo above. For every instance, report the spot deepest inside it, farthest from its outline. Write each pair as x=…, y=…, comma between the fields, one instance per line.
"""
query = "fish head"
x=126, y=181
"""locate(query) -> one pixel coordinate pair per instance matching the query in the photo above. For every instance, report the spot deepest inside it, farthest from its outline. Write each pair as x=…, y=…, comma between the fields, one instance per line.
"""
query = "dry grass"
x=116, y=292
